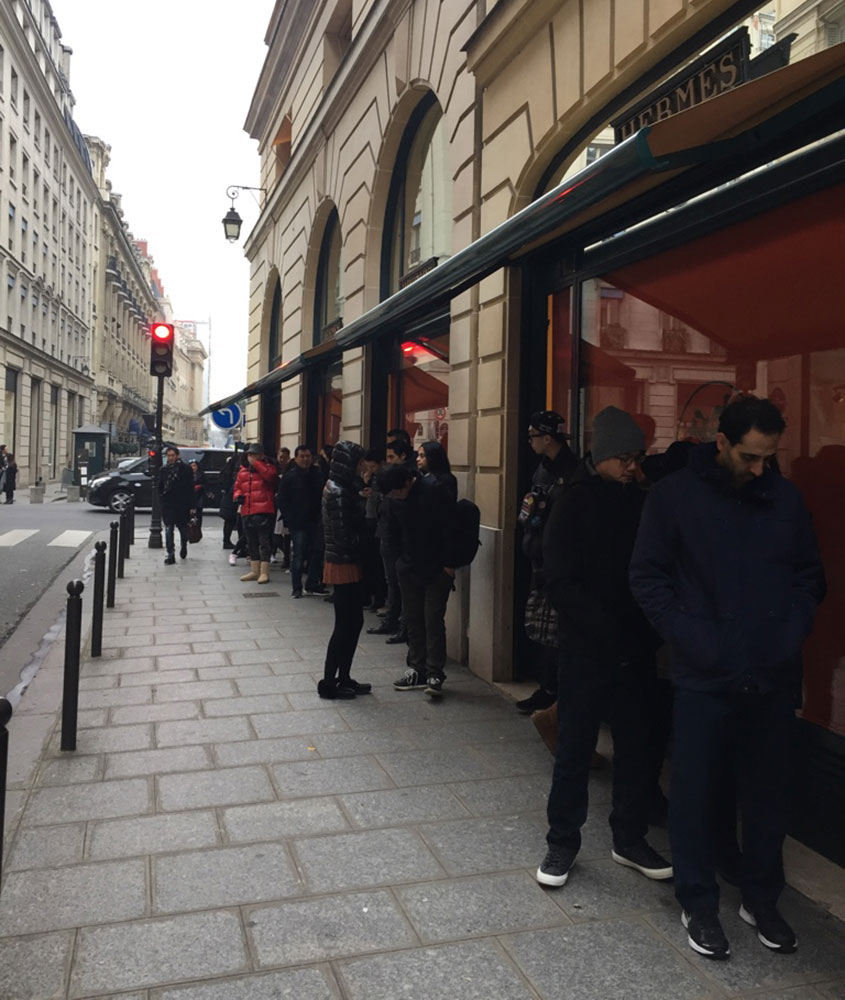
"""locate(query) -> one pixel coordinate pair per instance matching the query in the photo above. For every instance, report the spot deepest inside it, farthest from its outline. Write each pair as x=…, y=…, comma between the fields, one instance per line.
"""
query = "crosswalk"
x=66, y=539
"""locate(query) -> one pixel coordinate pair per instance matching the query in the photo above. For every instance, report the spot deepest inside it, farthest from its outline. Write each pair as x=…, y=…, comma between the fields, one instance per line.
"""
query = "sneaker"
x=644, y=859
x=772, y=929
x=409, y=681
x=536, y=702
x=705, y=934
x=273, y=559
x=434, y=687
x=233, y=559
x=297, y=594
x=316, y=590
x=556, y=867
x=170, y=559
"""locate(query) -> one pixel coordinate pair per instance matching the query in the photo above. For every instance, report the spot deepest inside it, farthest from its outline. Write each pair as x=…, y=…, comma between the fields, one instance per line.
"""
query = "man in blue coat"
x=727, y=569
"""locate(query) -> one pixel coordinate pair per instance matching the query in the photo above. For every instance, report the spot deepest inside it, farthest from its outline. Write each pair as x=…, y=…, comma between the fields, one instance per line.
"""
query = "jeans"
x=169, y=525
x=258, y=528
x=719, y=735
x=588, y=690
x=424, y=604
x=348, y=622
x=306, y=556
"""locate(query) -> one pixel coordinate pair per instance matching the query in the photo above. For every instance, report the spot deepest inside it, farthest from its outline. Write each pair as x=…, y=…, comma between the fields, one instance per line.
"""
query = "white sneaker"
x=272, y=559
x=233, y=559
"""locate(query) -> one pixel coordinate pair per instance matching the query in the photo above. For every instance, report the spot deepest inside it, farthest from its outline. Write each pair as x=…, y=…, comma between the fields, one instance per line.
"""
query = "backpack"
x=467, y=525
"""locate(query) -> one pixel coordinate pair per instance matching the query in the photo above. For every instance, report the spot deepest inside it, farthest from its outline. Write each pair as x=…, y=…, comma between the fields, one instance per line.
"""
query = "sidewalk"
x=222, y=834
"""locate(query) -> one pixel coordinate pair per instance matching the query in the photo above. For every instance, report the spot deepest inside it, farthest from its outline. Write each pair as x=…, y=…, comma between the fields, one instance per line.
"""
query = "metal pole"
x=73, y=635
x=99, y=587
x=112, y=564
x=131, y=522
x=155, y=517
x=127, y=522
x=121, y=544
x=5, y=715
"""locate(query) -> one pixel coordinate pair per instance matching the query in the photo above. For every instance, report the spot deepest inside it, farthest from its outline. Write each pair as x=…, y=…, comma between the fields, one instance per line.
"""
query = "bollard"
x=131, y=522
x=121, y=544
x=73, y=635
x=112, y=564
x=99, y=587
x=5, y=715
x=127, y=528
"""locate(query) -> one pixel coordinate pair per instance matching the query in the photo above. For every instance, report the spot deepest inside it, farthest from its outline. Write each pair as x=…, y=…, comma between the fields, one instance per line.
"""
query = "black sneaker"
x=170, y=559
x=297, y=594
x=644, y=859
x=410, y=681
x=772, y=929
x=536, y=702
x=556, y=866
x=434, y=687
x=705, y=934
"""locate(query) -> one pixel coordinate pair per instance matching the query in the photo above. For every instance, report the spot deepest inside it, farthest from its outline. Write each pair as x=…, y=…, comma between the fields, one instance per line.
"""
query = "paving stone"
x=222, y=645
x=68, y=770
x=183, y=733
x=517, y=758
x=157, y=952
x=319, y=929
x=832, y=991
x=155, y=677
x=115, y=696
x=159, y=834
x=458, y=733
x=227, y=876
x=116, y=738
x=270, y=820
x=277, y=685
x=233, y=672
x=193, y=617
x=290, y=668
x=194, y=691
x=376, y=857
x=102, y=800
x=467, y=846
x=155, y=713
x=88, y=718
x=350, y=744
x=188, y=660
x=320, y=720
x=483, y=905
x=224, y=787
x=473, y=970
x=329, y=777
x=606, y=960
x=117, y=667
x=504, y=795
x=47, y=847
x=126, y=765
x=55, y=898
x=597, y=890
x=265, y=751
x=421, y=767
x=34, y=968
x=123, y=642
x=294, y=984
x=396, y=806
x=97, y=683
x=246, y=706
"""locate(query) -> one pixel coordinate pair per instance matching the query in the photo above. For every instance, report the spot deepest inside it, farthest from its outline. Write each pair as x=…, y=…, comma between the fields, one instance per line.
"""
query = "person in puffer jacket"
x=255, y=491
x=344, y=534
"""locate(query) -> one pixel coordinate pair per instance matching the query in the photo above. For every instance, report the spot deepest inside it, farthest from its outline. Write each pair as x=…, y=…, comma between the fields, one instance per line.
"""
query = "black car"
x=114, y=489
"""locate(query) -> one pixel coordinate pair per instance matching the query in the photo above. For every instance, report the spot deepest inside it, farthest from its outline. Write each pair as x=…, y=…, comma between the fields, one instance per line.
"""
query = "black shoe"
x=328, y=599
x=382, y=629
x=183, y=552
x=434, y=687
x=705, y=934
x=398, y=639
x=556, y=866
x=228, y=545
x=311, y=591
x=334, y=690
x=297, y=594
x=536, y=702
x=356, y=687
x=409, y=681
x=644, y=859
x=170, y=559
x=772, y=929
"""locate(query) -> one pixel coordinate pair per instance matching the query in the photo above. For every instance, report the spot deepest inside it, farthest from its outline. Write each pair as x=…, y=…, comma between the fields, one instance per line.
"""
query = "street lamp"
x=231, y=220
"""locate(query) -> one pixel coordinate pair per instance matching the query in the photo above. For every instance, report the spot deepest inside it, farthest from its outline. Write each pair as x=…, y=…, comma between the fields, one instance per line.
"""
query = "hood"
x=702, y=461
x=344, y=463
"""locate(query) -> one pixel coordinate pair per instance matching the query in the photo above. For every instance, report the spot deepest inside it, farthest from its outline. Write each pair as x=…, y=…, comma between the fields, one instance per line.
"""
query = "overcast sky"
x=168, y=84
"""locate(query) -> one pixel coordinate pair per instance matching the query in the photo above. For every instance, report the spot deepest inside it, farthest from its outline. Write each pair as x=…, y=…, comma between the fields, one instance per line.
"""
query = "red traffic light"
x=162, y=331
x=161, y=349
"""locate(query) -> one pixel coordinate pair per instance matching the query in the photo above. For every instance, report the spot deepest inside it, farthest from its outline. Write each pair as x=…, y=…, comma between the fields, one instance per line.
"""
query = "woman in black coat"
x=10, y=480
x=344, y=534
x=433, y=463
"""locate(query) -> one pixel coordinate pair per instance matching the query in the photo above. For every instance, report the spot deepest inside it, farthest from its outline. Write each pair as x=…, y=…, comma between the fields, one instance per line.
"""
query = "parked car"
x=114, y=489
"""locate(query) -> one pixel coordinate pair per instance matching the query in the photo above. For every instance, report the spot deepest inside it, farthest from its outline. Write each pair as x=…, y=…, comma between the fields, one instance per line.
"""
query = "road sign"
x=228, y=417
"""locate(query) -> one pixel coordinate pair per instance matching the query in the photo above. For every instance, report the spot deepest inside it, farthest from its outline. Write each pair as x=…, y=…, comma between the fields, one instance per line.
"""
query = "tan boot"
x=253, y=572
x=264, y=575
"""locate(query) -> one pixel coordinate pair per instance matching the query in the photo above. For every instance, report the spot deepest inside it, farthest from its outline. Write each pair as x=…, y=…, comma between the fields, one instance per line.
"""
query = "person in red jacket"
x=255, y=491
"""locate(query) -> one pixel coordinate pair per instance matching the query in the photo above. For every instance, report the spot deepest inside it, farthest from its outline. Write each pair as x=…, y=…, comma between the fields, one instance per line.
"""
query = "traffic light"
x=162, y=336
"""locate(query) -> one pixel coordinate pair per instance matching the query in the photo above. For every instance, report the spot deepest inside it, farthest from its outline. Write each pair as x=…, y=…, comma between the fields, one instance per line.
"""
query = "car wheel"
x=119, y=500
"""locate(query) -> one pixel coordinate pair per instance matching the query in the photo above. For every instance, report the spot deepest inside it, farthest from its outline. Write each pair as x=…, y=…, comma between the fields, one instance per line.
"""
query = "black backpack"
x=467, y=525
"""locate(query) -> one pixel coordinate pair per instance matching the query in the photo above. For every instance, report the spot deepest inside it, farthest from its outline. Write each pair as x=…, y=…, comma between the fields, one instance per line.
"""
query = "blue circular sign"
x=228, y=417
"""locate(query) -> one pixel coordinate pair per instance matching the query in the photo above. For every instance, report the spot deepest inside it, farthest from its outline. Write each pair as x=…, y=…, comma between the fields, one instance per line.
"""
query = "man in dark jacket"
x=299, y=499
x=727, y=569
x=421, y=531
x=176, y=492
x=606, y=651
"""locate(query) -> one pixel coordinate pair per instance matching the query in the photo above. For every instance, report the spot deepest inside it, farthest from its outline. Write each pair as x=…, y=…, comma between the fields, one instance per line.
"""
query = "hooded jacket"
x=343, y=506
x=256, y=483
x=729, y=577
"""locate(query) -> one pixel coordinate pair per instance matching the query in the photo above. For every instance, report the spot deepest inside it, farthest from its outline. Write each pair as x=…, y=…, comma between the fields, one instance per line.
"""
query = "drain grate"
x=263, y=593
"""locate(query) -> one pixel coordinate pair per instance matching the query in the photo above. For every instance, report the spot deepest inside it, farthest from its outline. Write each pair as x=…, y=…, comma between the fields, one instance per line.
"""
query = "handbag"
x=541, y=619
x=194, y=531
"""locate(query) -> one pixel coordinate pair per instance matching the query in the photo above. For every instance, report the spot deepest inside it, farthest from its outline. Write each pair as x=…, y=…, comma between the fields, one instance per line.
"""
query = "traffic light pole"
x=155, y=519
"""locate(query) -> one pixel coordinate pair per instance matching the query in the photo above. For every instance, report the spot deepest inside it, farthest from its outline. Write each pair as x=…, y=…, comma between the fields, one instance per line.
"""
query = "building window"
x=13, y=89
x=25, y=115
x=337, y=40
x=274, y=352
x=10, y=410
x=13, y=156
x=328, y=293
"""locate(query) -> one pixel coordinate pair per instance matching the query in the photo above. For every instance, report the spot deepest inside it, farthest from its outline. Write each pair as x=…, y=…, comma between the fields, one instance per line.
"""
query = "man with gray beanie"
x=607, y=664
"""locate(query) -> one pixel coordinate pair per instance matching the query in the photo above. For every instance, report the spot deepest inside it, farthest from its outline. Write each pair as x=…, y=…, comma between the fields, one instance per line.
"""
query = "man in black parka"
x=176, y=492
x=727, y=569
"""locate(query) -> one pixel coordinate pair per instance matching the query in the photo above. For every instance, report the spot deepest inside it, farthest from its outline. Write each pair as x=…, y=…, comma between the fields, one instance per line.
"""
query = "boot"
x=254, y=569
x=264, y=575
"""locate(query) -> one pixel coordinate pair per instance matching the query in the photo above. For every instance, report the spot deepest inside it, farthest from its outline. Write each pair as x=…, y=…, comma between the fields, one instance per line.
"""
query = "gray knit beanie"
x=615, y=432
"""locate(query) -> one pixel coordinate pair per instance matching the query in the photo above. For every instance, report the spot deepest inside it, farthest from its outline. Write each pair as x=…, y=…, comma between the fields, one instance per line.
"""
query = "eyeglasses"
x=532, y=436
x=630, y=457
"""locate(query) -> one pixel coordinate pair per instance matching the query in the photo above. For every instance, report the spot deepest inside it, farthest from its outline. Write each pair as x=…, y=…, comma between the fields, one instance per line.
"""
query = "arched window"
x=328, y=297
x=274, y=352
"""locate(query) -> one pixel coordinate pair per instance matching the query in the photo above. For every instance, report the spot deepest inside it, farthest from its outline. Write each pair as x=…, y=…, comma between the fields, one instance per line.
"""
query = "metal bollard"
x=131, y=522
x=127, y=527
x=5, y=715
x=99, y=587
x=73, y=636
x=121, y=544
x=112, y=564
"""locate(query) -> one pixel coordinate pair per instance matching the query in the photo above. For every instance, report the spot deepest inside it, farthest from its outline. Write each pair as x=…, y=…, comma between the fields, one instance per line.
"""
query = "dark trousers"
x=375, y=585
x=169, y=524
x=394, y=593
x=348, y=622
x=306, y=556
x=258, y=529
x=588, y=691
x=718, y=734
x=424, y=609
x=10, y=496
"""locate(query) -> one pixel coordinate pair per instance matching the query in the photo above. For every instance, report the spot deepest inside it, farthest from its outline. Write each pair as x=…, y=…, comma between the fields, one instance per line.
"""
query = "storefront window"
x=328, y=298
x=559, y=355
x=423, y=390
